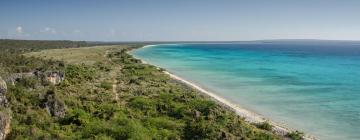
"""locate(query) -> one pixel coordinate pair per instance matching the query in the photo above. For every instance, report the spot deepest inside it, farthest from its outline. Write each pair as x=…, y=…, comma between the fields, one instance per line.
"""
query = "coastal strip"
x=248, y=115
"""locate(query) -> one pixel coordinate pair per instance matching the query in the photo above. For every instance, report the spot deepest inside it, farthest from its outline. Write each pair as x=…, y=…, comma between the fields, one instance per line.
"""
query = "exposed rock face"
x=197, y=114
x=4, y=125
x=3, y=101
x=3, y=86
x=55, y=77
x=4, y=118
x=3, y=89
x=54, y=106
x=16, y=76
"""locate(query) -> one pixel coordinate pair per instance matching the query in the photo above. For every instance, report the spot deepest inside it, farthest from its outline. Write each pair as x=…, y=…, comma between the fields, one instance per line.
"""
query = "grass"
x=86, y=55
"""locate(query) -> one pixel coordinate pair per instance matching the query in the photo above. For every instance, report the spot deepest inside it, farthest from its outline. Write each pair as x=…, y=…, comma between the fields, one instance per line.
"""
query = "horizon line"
x=143, y=41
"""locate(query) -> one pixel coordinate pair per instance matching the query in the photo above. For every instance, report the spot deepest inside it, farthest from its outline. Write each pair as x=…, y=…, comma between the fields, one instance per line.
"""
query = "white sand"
x=248, y=115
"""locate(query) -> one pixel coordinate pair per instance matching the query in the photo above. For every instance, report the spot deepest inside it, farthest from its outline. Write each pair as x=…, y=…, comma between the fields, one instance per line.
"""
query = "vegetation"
x=264, y=125
x=112, y=97
x=11, y=60
x=296, y=135
x=88, y=56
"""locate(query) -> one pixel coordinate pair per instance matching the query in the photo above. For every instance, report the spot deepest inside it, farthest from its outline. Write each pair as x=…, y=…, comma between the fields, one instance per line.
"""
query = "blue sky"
x=174, y=20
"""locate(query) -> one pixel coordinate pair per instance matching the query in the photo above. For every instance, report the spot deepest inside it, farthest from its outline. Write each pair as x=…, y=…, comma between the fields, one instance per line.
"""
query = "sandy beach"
x=248, y=115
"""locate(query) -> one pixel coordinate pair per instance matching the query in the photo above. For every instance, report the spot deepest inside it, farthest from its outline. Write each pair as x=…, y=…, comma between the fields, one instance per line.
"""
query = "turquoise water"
x=312, y=87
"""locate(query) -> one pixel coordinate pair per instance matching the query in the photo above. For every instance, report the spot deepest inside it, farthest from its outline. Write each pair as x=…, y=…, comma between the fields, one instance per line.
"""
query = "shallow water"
x=313, y=87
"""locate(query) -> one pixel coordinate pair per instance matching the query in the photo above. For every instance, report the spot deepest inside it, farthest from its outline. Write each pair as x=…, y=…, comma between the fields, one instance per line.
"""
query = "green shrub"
x=79, y=73
x=296, y=135
x=28, y=82
x=106, y=85
x=162, y=123
x=264, y=125
x=77, y=117
x=142, y=103
x=103, y=66
x=200, y=129
x=204, y=106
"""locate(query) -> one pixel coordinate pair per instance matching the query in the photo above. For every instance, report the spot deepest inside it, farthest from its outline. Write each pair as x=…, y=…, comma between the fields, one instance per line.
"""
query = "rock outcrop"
x=3, y=86
x=54, y=105
x=13, y=78
x=54, y=77
x=3, y=89
x=4, y=125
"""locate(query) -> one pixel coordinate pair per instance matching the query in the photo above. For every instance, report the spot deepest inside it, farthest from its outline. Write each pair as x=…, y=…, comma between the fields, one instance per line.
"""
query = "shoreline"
x=248, y=115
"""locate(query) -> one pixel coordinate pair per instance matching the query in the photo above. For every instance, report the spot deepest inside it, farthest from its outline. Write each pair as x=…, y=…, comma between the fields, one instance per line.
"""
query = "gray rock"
x=17, y=76
x=54, y=105
x=4, y=125
x=197, y=114
x=3, y=86
x=54, y=77
x=3, y=101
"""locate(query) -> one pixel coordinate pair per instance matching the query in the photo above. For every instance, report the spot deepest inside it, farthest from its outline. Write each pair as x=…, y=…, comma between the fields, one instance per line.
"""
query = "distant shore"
x=248, y=115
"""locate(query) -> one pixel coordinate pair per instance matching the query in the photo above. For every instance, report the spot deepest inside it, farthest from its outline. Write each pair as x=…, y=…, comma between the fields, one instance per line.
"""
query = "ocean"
x=310, y=86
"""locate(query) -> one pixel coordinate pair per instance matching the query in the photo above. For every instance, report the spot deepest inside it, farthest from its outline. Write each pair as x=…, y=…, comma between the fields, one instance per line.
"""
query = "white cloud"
x=48, y=30
x=18, y=33
x=19, y=30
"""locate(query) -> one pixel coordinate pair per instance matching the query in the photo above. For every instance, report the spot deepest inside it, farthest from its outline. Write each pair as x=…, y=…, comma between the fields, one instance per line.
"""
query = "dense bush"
x=106, y=85
x=28, y=82
x=264, y=125
x=296, y=135
x=79, y=73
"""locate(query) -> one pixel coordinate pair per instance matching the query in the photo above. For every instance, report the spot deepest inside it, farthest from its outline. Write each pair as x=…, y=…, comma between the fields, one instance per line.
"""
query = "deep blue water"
x=313, y=87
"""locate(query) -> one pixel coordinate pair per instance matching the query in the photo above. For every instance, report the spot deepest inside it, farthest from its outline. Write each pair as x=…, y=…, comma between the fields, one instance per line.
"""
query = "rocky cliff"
x=3, y=89
x=4, y=125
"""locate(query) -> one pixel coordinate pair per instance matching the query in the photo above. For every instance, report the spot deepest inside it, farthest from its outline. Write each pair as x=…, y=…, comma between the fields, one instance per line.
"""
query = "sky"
x=179, y=20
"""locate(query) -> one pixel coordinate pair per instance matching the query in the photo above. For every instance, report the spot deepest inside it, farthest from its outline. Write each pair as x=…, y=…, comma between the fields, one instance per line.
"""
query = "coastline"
x=248, y=115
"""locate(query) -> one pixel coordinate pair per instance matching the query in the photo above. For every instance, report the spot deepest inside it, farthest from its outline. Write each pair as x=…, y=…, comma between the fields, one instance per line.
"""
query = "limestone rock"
x=54, y=77
x=54, y=105
x=3, y=86
x=3, y=89
x=197, y=114
x=3, y=101
x=13, y=78
x=4, y=125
